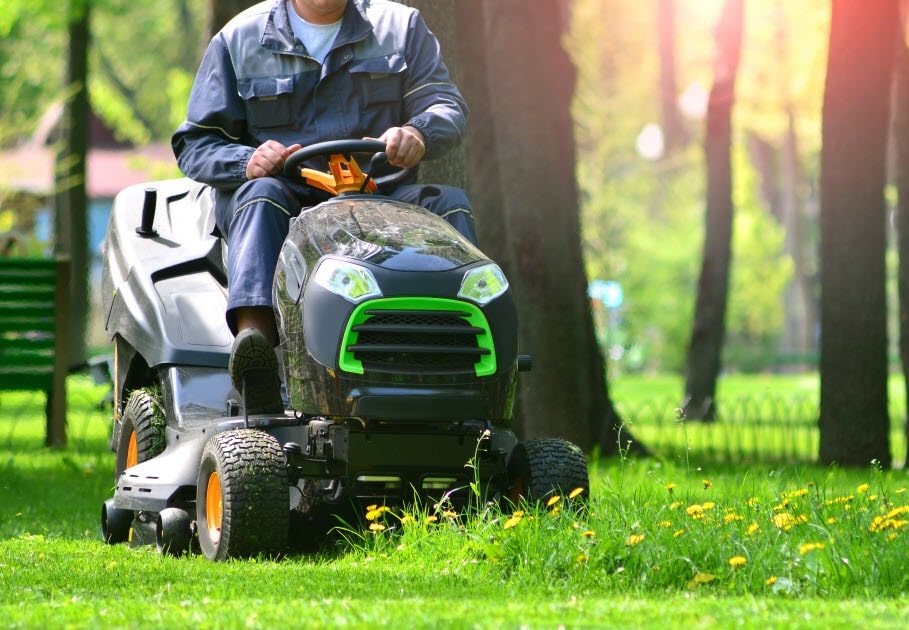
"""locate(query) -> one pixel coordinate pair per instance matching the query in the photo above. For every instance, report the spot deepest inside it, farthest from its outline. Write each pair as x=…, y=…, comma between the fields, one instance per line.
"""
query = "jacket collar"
x=278, y=35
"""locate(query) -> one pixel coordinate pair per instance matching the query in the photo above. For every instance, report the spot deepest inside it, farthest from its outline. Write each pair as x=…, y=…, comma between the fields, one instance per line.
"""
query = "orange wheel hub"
x=213, y=507
x=132, y=451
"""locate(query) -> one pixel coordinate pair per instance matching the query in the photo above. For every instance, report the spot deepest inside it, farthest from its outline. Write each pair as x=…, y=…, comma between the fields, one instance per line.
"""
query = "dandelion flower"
x=783, y=521
x=670, y=487
x=432, y=518
x=863, y=488
x=753, y=502
x=376, y=527
x=695, y=511
x=732, y=517
x=753, y=528
x=770, y=581
x=634, y=539
x=450, y=514
x=581, y=559
x=736, y=561
x=370, y=508
x=553, y=500
x=407, y=518
x=675, y=505
x=678, y=532
x=707, y=484
x=665, y=524
x=708, y=505
x=809, y=547
x=831, y=520
x=589, y=534
x=575, y=493
x=514, y=520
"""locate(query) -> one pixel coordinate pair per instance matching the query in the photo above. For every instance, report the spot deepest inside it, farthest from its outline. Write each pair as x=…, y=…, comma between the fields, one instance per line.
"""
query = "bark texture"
x=854, y=419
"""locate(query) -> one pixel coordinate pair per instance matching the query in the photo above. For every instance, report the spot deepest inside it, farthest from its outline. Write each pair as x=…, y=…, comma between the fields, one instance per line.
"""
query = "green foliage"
x=643, y=221
x=142, y=60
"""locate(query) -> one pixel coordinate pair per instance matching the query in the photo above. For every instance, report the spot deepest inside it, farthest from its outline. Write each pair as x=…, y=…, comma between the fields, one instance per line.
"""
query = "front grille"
x=417, y=341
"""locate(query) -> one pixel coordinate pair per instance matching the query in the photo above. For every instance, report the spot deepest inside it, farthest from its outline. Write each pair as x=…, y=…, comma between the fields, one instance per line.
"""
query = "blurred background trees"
x=639, y=105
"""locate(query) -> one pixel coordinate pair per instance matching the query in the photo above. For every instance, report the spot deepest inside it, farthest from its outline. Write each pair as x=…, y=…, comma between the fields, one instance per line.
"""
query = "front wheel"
x=539, y=469
x=141, y=434
x=242, y=496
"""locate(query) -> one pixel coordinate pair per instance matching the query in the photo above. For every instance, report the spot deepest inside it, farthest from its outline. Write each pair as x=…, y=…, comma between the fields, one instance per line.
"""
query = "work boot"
x=253, y=371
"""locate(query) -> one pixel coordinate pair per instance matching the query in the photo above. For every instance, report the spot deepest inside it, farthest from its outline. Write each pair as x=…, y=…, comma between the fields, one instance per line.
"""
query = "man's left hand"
x=404, y=146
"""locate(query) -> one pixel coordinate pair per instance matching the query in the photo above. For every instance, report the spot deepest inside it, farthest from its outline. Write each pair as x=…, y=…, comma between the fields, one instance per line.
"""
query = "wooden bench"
x=34, y=309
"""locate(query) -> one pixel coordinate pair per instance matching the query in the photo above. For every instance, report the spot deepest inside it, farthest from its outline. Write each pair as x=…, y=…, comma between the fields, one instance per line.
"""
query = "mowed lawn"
x=659, y=544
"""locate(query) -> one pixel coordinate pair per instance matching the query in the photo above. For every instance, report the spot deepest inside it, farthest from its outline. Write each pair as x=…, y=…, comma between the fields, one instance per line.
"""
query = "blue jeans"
x=255, y=218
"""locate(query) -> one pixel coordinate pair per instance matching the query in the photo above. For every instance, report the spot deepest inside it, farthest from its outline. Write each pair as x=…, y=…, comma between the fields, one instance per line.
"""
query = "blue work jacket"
x=257, y=82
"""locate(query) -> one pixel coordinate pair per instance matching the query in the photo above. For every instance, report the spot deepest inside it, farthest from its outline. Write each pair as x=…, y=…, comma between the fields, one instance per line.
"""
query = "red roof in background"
x=30, y=167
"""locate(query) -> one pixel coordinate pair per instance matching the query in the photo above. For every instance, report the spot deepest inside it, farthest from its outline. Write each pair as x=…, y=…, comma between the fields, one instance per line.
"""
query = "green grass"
x=481, y=568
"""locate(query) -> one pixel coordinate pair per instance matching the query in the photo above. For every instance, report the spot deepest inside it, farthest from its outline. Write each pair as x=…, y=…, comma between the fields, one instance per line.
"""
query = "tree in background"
x=854, y=420
x=901, y=146
x=704, y=352
x=521, y=174
x=674, y=133
x=70, y=180
x=220, y=12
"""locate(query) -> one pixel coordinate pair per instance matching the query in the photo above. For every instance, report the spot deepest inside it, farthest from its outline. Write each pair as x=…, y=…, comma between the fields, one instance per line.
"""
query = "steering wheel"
x=347, y=147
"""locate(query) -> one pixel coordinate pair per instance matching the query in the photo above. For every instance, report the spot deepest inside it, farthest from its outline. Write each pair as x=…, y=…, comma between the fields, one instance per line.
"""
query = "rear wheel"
x=242, y=496
x=141, y=431
x=539, y=469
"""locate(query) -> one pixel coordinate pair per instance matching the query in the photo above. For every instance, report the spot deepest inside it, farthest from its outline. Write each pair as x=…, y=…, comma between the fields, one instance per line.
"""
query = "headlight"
x=483, y=284
x=350, y=281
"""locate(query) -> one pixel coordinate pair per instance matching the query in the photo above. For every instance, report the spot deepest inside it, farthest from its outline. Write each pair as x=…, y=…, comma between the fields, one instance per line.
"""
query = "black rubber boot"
x=253, y=370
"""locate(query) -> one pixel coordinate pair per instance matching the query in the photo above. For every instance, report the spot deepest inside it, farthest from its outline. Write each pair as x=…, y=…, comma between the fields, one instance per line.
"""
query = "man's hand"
x=404, y=146
x=268, y=159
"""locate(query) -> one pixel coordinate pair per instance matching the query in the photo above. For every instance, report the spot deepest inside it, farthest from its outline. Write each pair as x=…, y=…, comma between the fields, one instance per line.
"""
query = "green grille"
x=418, y=336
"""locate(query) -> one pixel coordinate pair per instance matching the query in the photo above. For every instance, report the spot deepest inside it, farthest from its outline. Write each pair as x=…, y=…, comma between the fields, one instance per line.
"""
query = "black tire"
x=244, y=475
x=143, y=418
x=539, y=469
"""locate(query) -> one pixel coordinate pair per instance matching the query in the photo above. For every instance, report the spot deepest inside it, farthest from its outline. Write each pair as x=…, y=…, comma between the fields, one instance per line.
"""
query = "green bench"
x=34, y=308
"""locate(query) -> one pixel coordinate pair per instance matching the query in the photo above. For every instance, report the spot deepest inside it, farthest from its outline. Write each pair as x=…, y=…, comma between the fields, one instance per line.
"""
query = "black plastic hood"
x=384, y=232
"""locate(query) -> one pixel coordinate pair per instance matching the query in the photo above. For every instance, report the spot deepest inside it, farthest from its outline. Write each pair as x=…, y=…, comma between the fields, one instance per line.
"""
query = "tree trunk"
x=521, y=161
x=673, y=125
x=854, y=419
x=220, y=13
x=70, y=225
x=706, y=346
x=901, y=143
x=440, y=16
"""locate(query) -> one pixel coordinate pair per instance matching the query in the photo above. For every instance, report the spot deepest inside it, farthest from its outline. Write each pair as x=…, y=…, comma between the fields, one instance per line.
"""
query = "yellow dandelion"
x=407, y=519
x=770, y=581
x=555, y=511
x=753, y=502
x=695, y=511
x=783, y=520
x=737, y=561
x=634, y=539
x=376, y=527
x=708, y=505
x=575, y=493
x=665, y=524
x=370, y=508
x=753, y=528
x=703, y=578
x=732, y=517
x=809, y=547
x=872, y=497
x=372, y=515
x=581, y=559
x=892, y=537
x=831, y=520
x=589, y=534
x=514, y=520
x=675, y=505
x=670, y=486
x=553, y=500
x=678, y=532
x=432, y=518
x=707, y=484
x=862, y=488
x=518, y=513
x=450, y=514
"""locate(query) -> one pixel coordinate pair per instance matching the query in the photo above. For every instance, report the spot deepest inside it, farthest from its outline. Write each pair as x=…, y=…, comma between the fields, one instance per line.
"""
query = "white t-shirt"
x=317, y=38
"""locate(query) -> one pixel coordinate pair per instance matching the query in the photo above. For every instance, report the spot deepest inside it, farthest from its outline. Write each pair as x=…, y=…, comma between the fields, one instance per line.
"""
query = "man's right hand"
x=268, y=159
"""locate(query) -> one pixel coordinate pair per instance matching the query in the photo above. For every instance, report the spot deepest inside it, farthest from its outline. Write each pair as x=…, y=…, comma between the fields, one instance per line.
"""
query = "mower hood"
x=384, y=232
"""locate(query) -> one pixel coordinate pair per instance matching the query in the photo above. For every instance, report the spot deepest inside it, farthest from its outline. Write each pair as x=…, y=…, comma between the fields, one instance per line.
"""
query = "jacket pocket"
x=268, y=101
x=380, y=80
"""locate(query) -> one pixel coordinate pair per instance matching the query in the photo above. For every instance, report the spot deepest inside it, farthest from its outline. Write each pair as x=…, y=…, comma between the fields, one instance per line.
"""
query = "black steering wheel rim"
x=345, y=147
